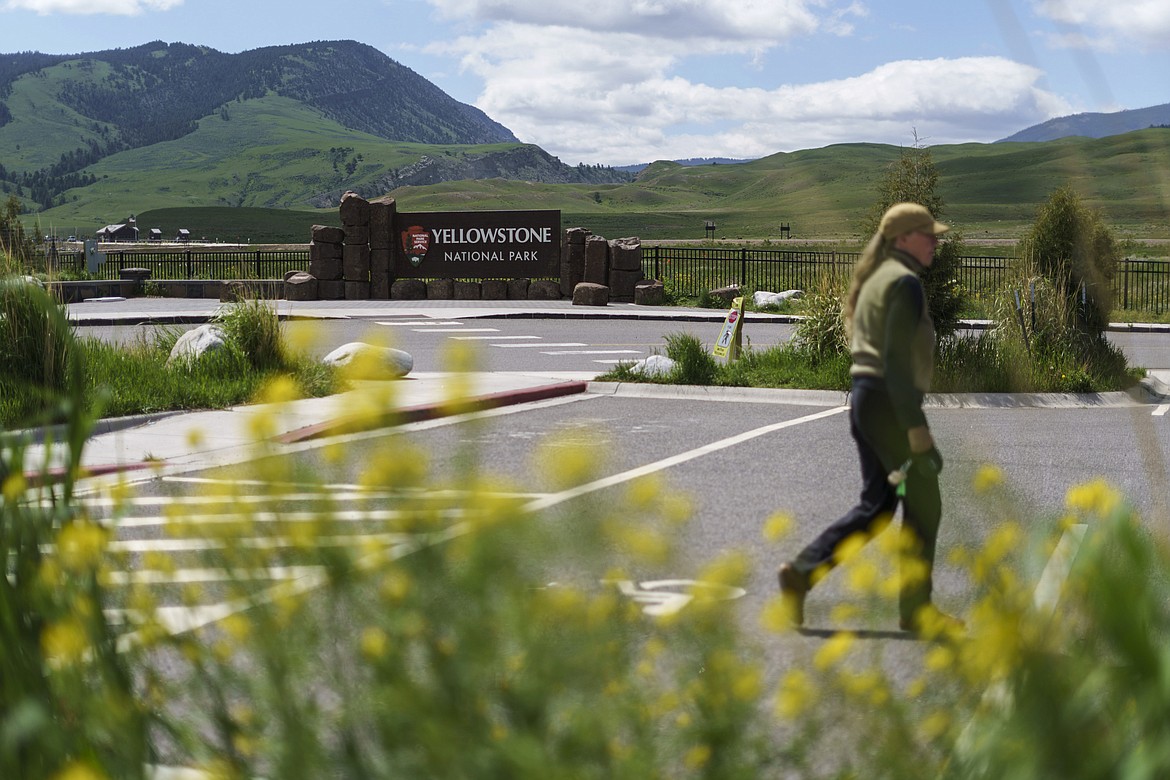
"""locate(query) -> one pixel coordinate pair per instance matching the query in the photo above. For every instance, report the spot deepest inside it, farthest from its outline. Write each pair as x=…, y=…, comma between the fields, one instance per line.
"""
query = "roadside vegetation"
x=480, y=624
x=42, y=360
x=1047, y=323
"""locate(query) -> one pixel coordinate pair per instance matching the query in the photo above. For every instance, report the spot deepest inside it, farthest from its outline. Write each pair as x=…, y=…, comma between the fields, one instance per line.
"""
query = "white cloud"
x=744, y=21
x=115, y=7
x=590, y=96
x=1108, y=24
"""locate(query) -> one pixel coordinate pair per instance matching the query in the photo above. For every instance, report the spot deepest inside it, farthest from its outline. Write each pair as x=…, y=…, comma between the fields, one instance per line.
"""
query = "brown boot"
x=793, y=588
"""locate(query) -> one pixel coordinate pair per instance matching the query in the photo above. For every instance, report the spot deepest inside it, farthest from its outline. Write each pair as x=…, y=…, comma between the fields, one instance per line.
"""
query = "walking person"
x=891, y=339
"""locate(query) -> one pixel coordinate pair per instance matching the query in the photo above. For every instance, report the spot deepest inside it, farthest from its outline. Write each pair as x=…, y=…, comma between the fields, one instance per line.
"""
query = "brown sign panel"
x=478, y=244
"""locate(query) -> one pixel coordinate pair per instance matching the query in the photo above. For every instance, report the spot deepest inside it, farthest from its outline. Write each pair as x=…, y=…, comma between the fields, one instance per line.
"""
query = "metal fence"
x=193, y=264
x=1138, y=285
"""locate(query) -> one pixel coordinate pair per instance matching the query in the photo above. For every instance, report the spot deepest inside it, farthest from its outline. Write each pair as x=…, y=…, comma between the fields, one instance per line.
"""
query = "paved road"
x=737, y=463
x=590, y=345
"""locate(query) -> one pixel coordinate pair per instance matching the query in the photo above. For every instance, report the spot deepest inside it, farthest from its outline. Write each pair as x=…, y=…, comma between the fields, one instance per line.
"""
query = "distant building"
x=184, y=235
x=155, y=234
x=128, y=231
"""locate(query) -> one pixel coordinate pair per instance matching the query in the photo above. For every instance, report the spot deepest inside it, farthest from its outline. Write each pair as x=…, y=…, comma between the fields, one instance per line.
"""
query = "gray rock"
x=726, y=294
x=544, y=290
x=440, y=289
x=325, y=234
x=764, y=298
x=650, y=292
x=654, y=366
x=300, y=286
x=596, y=260
x=408, y=290
x=196, y=343
x=367, y=361
x=590, y=294
x=625, y=254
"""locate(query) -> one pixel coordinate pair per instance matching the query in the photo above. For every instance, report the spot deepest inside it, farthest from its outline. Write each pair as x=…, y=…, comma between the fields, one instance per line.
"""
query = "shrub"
x=821, y=334
x=253, y=325
x=694, y=363
x=1071, y=246
x=37, y=349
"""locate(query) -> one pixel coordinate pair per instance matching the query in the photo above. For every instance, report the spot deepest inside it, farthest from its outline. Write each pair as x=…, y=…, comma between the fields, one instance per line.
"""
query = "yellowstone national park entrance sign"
x=478, y=244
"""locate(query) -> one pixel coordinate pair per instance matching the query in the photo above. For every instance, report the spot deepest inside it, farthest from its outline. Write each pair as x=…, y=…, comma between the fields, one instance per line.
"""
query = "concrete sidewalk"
x=173, y=442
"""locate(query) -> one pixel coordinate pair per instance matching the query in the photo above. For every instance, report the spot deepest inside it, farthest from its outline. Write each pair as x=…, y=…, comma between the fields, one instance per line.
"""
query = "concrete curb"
x=431, y=411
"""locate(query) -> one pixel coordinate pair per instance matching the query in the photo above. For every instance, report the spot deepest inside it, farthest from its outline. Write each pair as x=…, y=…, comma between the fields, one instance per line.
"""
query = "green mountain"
x=1096, y=125
x=95, y=136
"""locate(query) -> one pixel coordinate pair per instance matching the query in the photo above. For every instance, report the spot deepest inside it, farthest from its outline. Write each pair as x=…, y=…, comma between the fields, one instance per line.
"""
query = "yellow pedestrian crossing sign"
x=730, y=337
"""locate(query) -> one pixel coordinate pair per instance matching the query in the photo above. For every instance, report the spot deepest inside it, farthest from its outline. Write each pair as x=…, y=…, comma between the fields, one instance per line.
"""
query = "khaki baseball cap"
x=902, y=218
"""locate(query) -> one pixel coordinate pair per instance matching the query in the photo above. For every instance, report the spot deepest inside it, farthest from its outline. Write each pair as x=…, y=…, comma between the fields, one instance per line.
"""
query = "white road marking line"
x=254, y=543
x=1045, y=598
x=1161, y=410
x=455, y=330
x=595, y=352
x=553, y=499
x=263, y=518
x=420, y=322
x=188, y=576
x=519, y=346
x=493, y=338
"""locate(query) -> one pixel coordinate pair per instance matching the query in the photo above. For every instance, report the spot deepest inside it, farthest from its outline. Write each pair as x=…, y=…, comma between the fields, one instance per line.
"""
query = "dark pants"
x=882, y=447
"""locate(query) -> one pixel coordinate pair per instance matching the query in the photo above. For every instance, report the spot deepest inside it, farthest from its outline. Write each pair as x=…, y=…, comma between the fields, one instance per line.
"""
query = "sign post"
x=730, y=337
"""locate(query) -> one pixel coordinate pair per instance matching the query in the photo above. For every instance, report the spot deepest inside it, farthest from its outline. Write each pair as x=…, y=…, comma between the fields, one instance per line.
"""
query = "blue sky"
x=627, y=81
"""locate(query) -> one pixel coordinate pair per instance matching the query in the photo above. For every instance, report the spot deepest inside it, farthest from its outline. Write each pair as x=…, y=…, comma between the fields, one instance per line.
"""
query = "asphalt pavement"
x=174, y=442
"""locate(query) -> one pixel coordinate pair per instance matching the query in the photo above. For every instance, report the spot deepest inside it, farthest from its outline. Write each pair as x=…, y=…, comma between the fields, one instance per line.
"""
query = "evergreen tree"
x=1071, y=246
x=913, y=178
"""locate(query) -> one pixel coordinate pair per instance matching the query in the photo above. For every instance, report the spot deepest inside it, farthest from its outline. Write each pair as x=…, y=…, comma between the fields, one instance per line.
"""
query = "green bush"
x=694, y=363
x=821, y=334
x=253, y=325
x=37, y=350
x=1071, y=246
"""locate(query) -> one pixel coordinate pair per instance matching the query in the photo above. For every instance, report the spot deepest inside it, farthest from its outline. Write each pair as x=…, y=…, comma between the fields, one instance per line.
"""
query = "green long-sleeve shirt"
x=893, y=335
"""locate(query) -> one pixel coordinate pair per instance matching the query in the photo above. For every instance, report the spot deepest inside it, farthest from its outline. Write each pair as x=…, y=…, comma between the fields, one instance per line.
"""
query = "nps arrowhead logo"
x=416, y=240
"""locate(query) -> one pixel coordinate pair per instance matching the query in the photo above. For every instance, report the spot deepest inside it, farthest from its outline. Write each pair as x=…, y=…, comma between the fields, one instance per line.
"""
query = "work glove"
x=929, y=463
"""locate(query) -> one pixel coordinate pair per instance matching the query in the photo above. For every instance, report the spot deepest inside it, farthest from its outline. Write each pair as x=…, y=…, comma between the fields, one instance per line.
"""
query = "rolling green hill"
x=991, y=190
x=176, y=127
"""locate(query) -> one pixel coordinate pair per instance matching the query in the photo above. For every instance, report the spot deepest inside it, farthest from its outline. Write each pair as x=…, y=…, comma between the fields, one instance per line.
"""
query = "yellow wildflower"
x=374, y=643
x=987, y=478
x=796, y=694
x=834, y=649
x=1097, y=497
x=65, y=641
x=698, y=756
x=81, y=545
x=777, y=526
x=79, y=771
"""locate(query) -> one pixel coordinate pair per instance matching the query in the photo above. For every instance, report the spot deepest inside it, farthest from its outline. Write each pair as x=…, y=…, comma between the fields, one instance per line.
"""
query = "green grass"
x=273, y=153
x=136, y=378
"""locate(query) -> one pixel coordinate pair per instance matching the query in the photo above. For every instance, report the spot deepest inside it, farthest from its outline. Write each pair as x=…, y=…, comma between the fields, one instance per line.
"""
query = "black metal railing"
x=193, y=264
x=1138, y=285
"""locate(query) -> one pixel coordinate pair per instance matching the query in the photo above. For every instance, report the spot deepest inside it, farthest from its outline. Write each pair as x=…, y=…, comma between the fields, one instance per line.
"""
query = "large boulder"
x=650, y=292
x=300, y=286
x=544, y=290
x=368, y=361
x=196, y=343
x=765, y=298
x=590, y=294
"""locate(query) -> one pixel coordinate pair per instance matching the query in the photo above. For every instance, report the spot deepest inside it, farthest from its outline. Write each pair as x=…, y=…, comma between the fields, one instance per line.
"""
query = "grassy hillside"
x=991, y=190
